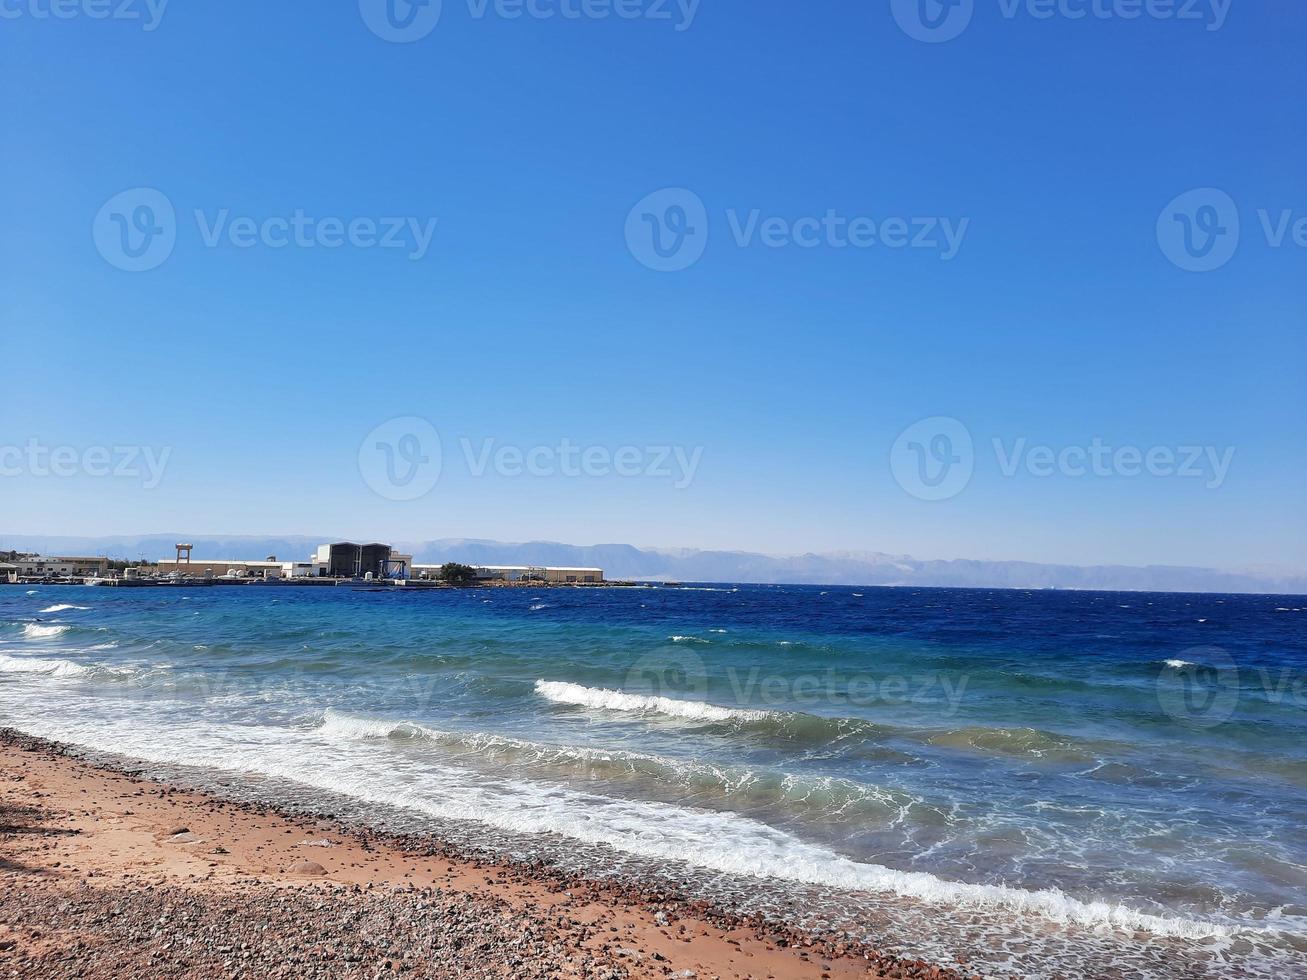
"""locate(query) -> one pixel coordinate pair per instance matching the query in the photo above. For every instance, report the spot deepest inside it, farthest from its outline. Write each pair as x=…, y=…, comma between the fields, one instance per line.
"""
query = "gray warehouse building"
x=345, y=559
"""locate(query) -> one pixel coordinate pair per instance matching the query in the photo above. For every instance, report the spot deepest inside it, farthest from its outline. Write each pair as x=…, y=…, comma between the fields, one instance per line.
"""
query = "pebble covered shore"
x=103, y=873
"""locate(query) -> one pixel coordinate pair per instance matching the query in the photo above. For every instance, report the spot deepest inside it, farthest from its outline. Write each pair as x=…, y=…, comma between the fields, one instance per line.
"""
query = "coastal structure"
x=224, y=568
x=341, y=560
x=374, y=560
x=549, y=575
x=56, y=566
x=346, y=559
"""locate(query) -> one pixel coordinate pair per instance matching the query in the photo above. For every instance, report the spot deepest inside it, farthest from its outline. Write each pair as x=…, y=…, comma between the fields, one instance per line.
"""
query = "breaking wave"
x=751, y=786
x=39, y=631
x=58, y=668
x=609, y=700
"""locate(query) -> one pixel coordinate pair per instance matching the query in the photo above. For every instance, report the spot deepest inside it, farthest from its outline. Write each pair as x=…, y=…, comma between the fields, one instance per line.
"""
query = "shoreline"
x=129, y=875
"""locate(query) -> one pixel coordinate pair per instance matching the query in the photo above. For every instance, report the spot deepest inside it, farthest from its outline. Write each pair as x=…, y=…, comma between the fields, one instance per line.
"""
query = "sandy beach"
x=105, y=873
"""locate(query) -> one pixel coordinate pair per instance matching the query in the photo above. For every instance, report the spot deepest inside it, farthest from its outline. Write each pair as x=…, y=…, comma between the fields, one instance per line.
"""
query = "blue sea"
x=1041, y=783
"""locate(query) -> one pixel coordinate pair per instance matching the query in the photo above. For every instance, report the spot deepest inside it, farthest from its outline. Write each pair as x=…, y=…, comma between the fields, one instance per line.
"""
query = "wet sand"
x=104, y=873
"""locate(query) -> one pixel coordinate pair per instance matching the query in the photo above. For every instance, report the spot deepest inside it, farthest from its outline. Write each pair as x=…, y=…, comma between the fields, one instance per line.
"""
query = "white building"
x=36, y=566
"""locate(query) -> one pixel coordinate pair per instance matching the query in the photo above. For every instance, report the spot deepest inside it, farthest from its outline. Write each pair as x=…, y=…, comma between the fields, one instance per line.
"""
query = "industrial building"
x=348, y=560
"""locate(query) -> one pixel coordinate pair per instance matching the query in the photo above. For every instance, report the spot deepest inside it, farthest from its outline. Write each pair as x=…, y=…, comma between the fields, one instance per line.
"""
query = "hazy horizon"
x=643, y=545
x=627, y=561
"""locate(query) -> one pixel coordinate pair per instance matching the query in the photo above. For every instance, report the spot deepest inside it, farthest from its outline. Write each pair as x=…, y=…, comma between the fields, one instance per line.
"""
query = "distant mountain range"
x=624, y=561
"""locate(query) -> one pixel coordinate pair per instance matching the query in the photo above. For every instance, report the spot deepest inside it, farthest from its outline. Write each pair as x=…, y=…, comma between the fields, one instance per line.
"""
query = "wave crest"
x=824, y=794
x=59, y=668
x=40, y=631
x=610, y=700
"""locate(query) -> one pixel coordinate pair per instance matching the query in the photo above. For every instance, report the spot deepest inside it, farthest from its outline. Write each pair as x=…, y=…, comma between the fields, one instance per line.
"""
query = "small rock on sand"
x=306, y=868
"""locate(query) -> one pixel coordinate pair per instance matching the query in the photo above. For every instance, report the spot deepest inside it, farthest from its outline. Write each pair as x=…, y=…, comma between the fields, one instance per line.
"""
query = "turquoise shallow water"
x=1027, y=777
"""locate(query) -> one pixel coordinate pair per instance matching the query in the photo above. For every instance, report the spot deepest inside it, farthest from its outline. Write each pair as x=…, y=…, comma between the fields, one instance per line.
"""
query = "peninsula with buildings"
x=330, y=564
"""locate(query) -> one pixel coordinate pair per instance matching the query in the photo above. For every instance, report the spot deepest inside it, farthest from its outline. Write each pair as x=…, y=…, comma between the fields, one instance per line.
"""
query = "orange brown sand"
x=104, y=874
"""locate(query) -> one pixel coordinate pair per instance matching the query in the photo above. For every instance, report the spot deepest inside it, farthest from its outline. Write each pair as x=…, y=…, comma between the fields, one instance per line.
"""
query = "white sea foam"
x=828, y=793
x=723, y=842
x=1179, y=664
x=599, y=697
x=58, y=667
x=688, y=639
x=39, y=665
x=338, y=725
x=39, y=631
x=64, y=607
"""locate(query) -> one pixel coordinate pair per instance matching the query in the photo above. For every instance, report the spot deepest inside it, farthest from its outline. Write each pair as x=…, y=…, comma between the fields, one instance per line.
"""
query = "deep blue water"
x=1040, y=776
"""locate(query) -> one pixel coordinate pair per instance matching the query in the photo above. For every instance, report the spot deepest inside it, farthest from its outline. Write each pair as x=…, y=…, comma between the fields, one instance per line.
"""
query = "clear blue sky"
x=531, y=319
